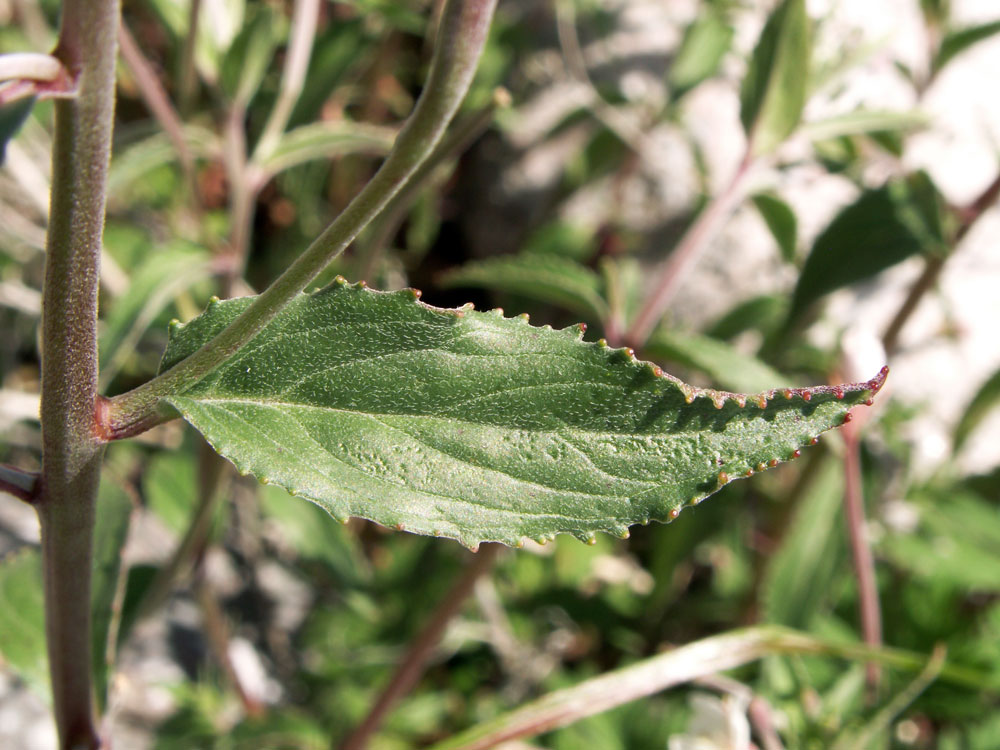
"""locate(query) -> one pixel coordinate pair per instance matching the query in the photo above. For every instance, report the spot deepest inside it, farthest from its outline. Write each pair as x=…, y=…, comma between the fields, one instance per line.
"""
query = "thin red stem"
x=413, y=663
x=680, y=261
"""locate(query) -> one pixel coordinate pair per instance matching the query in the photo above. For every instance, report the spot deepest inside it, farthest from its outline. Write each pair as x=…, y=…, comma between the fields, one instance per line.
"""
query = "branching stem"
x=71, y=450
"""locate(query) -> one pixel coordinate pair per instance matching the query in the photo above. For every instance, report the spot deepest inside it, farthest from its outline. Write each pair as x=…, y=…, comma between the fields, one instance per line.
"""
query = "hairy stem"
x=71, y=450
x=464, y=27
x=412, y=665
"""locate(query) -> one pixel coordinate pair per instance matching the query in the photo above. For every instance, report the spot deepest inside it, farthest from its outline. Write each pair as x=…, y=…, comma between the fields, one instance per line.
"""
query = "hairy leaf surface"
x=475, y=426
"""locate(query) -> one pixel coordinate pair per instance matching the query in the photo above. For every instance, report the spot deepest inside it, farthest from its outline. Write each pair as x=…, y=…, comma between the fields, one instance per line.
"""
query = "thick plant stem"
x=71, y=457
x=67, y=523
x=461, y=38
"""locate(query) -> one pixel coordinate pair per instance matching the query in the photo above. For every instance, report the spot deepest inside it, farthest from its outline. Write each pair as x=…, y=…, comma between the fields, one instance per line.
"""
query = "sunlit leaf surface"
x=478, y=427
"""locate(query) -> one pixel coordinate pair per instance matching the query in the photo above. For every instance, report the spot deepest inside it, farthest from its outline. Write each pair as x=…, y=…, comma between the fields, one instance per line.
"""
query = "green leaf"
x=163, y=276
x=477, y=427
x=114, y=512
x=22, y=618
x=325, y=140
x=780, y=219
x=12, y=117
x=247, y=59
x=22, y=598
x=880, y=229
x=957, y=41
x=800, y=574
x=764, y=313
x=142, y=157
x=774, y=89
x=982, y=403
x=705, y=43
x=724, y=364
x=956, y=541
x=546, y=278
x=864, y=122
x=302, y=526
x=169, y=486
x=338, y=49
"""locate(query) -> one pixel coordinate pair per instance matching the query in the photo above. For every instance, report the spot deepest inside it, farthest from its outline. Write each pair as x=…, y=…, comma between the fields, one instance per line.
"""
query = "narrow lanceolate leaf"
x=774, y=89
x=478, y=427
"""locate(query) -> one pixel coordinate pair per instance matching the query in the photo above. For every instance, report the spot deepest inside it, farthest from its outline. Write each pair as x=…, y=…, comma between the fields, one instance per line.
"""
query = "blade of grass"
x=681, y=665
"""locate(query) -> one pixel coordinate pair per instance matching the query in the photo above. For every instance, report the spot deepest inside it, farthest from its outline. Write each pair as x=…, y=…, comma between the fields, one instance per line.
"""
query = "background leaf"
x=724, y=364
x=881, y=228
x=325, y=140
x=12, y=117
x=544, y=278
x=864, y=122
x=705, y=43
x=958, y=40
x=982, y=403
x=502, y=431
x=22, y=618
x=800, y=575
x=780, y=219
x=774, y=88
x=114, y=511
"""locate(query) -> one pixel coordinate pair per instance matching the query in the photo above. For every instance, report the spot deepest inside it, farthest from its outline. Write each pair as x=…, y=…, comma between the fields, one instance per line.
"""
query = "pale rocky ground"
x=960, y=152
